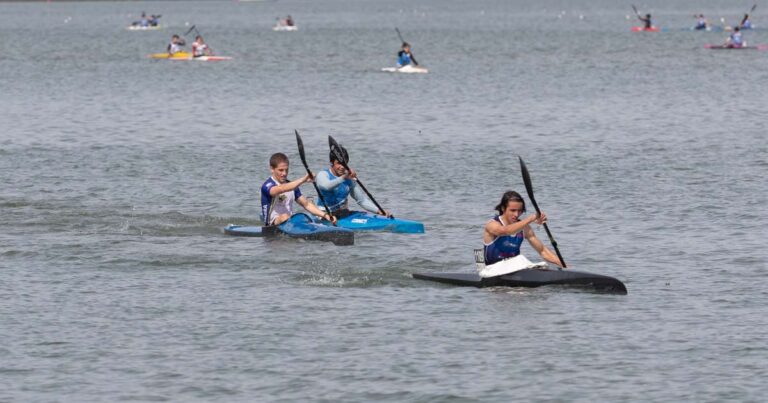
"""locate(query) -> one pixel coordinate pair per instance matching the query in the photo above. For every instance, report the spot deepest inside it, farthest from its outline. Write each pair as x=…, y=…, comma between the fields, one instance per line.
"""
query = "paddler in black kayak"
x=504, y=234
x=278, y=194
x=336, y=184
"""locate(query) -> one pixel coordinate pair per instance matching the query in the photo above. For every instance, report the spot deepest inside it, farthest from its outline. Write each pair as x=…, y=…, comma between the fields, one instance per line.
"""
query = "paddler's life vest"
x=502, y=247
x=336, y=198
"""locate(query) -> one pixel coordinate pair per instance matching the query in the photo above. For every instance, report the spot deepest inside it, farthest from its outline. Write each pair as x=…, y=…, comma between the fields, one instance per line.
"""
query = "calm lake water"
x=118, y=172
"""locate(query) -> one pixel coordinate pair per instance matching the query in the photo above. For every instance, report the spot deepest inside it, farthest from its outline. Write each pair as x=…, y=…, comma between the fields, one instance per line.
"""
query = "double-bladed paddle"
x=403, y=41
x=304, y=161
x=336, y=150
x=529, y=189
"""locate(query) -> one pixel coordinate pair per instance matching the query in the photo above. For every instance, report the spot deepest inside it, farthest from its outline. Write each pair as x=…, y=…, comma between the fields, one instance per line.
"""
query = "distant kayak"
x=188, y=56
x=530, y=278
x=726, y=47
x=285, y=28
x=141, y=28
x=299, y=226
x=364, y=221
x=408, y=68
x=644, y=29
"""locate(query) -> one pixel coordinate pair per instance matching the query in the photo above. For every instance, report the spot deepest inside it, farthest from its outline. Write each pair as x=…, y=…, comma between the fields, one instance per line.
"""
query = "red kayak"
x=726, y=47
x=644, y=29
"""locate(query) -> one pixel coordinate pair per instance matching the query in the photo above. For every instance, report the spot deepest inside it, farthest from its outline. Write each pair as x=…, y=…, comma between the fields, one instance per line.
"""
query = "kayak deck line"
x=531, y=278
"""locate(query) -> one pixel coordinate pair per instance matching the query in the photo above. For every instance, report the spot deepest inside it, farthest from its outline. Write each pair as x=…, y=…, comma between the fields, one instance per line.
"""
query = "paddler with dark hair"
x=735, y=40
x=404, y=56
x=175, y=45
x=504, y=234
x=278, y=194
x=701, y=23
x=200, y=48
x=646, y=20
x=336, y=185
x=745, y=22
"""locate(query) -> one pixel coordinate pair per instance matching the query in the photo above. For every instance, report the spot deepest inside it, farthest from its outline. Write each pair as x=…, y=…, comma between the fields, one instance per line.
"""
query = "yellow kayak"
x=188, y=56
x=178, y=55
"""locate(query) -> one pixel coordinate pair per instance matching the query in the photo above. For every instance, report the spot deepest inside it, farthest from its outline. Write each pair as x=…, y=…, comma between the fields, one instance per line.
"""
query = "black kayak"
x=530, y=278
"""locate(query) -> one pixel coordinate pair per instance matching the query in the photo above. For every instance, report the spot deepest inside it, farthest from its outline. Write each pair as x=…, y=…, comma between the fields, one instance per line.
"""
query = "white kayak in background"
x=285, y=28
x=408, y=68
x=143, y=28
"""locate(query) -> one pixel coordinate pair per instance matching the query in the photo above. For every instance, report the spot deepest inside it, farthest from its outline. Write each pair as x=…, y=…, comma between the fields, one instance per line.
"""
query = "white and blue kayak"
x=408, y=69
x=359, y=221
x=300, y=226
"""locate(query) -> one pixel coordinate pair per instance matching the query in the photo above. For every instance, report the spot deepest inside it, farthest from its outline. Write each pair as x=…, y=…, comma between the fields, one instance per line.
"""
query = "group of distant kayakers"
x=502, y=235
x=734, y=40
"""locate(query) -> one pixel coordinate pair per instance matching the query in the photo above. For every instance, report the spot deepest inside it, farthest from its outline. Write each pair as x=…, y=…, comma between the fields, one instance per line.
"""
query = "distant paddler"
x=647, y=22
x=176, y=45
x=745, y=22
x=200, y=48
x=735, y=40
x=147, y=21
x=278, y=194
x=504, y=233
x=701, y=23
x=405, y=57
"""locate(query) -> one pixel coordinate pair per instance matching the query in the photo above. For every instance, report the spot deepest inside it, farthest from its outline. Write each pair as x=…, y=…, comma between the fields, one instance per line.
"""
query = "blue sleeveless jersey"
x=337, y=197
x=403, y=58
x=503, y=247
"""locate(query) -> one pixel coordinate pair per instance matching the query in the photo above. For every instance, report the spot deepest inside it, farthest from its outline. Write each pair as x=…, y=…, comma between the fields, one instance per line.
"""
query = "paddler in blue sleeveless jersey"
x=404, y=56
x=336, y=185
x=278, y=194
x=745, y=22
x=735, y=40
x=701, y=23
x=504, y=234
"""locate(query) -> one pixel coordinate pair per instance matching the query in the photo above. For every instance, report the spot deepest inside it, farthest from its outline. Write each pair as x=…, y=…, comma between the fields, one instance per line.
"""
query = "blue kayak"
x=364, y=221
x=300, y=226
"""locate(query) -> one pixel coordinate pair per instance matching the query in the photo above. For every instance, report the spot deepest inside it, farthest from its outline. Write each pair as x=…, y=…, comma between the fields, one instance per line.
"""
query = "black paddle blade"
x=528, y=184
x=336, y=150
x=635, y=8
x=301, y=149
x=189, y=30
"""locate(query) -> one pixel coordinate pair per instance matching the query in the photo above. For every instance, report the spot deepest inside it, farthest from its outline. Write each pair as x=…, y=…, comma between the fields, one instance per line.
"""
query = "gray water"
x=118, y=173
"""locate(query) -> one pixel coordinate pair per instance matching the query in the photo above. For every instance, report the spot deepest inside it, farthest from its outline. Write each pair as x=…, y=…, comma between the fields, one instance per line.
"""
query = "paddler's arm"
x=543, y=251
x=362, y=199
x=324, y=182
x=495, y=228
x=309, y=206
x=287, y=187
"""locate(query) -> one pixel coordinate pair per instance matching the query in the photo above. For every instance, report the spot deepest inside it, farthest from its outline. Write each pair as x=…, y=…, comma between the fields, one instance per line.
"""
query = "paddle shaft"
x=529, y=190
x=403, y=41
x=335, y=146
x=300, y=144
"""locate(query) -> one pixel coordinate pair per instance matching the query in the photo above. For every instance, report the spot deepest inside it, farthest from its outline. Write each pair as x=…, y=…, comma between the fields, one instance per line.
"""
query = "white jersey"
x=198, y=49
x=276, y=205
